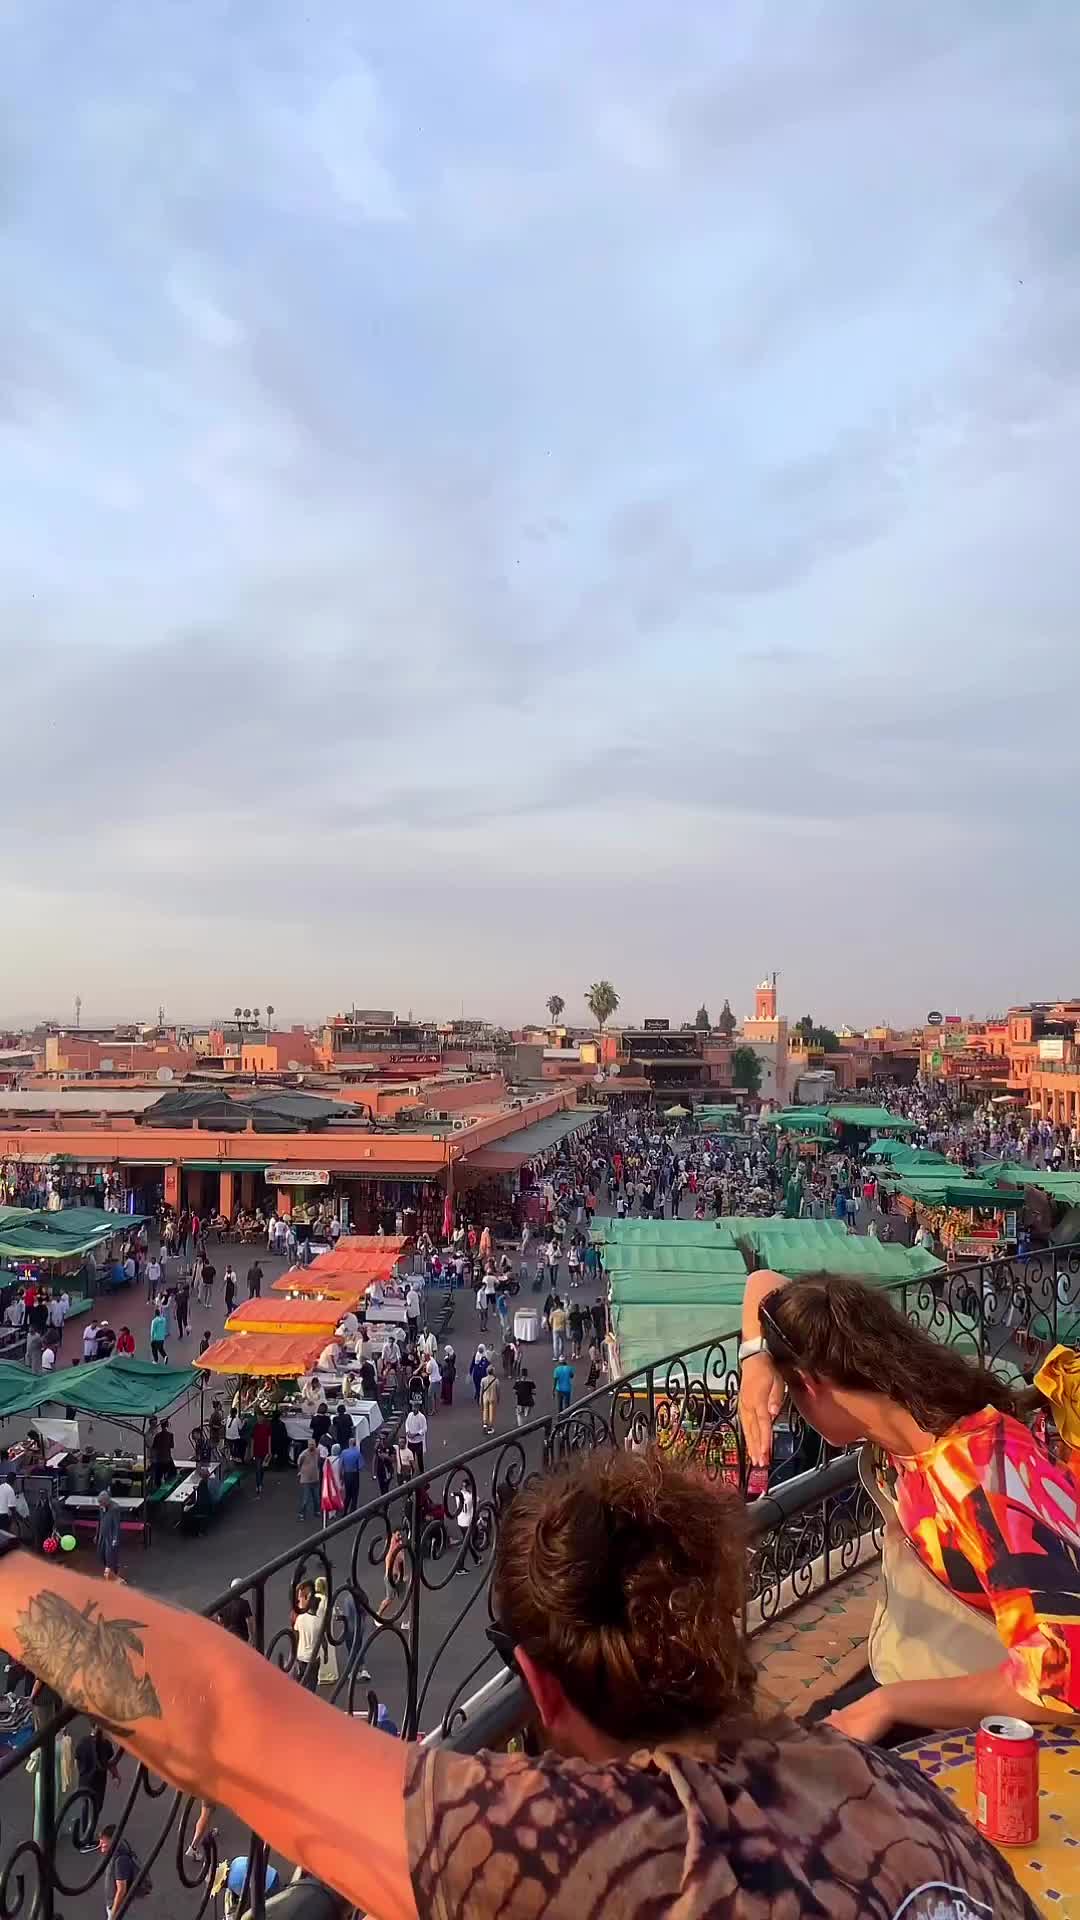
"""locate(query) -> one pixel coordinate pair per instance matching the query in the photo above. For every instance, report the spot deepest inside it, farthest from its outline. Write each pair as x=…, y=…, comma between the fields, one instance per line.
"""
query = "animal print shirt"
x=804, y=1823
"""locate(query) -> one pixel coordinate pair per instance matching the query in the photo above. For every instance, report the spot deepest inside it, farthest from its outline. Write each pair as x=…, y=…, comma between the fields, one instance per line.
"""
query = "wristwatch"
x=751, y=1347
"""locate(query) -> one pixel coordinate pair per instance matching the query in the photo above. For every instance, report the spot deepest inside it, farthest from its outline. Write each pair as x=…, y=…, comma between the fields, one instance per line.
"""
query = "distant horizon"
x=281, y=1022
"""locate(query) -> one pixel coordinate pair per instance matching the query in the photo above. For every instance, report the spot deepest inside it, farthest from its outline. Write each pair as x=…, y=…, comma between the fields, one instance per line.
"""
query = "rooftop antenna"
x=78, y=1008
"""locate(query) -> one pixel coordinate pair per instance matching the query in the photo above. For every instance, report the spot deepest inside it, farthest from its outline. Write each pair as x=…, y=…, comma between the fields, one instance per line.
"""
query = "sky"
x=492, y=497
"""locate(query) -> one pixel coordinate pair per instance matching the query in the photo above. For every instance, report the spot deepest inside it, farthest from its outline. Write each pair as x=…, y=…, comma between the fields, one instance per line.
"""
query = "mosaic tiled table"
x=1050, y=1869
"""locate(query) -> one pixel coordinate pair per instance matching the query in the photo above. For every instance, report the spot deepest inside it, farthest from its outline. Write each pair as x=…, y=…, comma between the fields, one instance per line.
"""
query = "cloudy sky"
x=497, y=495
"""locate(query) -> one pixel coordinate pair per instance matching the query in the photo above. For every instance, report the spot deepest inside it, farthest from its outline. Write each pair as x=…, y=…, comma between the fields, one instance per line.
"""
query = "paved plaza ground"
x=250, y=1532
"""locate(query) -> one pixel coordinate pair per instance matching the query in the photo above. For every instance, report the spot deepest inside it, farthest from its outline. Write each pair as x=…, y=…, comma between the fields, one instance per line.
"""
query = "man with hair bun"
x=617, y=1593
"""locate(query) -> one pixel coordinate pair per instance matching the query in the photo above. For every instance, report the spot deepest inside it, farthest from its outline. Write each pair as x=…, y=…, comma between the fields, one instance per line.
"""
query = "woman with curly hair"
x=991, y=1517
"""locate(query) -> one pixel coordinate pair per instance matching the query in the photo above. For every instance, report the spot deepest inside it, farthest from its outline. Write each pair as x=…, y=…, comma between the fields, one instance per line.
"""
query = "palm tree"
x=746, y=1070
x=269, y=1018
x=555, y=1005
x=602, y=1001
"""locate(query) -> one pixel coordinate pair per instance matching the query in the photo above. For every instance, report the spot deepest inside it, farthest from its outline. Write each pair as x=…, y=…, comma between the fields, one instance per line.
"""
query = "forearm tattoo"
x=87, y=1658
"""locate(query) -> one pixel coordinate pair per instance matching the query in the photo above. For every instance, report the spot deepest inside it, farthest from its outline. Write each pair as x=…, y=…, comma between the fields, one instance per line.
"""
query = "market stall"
x=131, y=1395
x=277, y=1374
x=971, y=1218
x=287, y=1317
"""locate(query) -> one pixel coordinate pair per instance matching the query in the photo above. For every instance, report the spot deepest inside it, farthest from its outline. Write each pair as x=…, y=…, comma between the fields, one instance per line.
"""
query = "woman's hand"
x=761, y=1396
x=868, y=1719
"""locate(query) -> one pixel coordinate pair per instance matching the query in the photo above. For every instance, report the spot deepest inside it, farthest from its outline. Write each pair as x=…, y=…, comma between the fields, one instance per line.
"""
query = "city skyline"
x=483, y=492
x=89, y=1018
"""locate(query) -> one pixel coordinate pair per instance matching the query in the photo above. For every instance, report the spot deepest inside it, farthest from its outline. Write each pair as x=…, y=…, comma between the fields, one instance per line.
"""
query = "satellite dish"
x=294, y=1066
x=614, y=1070
x=165, y=1073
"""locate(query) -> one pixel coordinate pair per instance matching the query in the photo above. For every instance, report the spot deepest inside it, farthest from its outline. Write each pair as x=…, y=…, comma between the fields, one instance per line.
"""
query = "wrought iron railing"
x=406, y=1595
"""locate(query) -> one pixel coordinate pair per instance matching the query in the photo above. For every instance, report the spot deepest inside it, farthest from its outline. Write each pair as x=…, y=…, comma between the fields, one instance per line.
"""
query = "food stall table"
x=87, y=1502
x=384, y=1313
x=366, y=1418
x=1048, y=1870
x=182, y=1489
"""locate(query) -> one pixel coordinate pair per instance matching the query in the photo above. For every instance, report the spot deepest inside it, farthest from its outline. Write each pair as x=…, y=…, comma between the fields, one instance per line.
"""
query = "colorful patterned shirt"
x=785, y=1823
x=998, y=1523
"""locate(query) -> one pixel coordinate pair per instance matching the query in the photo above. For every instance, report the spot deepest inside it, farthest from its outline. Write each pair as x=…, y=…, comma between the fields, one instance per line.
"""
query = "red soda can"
x=1007, y=1782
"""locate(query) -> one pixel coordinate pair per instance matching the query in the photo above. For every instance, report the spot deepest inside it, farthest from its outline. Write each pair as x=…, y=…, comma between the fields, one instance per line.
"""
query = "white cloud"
x=536, y=494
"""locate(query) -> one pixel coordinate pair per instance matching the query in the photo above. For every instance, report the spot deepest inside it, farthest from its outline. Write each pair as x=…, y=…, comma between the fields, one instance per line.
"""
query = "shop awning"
x=877, y=1119
x=286, y=1316
x=262, y=1355
x=229, y=1166
x=512, y=1151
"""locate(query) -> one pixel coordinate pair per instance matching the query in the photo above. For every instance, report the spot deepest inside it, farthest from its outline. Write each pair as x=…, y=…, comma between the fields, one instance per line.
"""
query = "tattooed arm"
x=216, y=1720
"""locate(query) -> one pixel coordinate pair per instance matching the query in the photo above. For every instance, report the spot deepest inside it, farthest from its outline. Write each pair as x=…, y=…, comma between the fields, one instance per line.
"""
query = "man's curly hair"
x=623, y=1575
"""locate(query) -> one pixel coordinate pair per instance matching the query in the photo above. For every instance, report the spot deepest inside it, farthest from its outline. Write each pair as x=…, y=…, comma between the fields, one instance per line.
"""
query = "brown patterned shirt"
x=787, y=1823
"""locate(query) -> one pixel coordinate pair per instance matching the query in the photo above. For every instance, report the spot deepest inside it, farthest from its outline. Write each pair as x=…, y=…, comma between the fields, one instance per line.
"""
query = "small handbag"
x=920, y=1630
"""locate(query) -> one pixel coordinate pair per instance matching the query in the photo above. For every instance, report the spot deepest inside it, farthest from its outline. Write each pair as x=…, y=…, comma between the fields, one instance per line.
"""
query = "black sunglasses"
x=777, y=1344
x=504, y=1644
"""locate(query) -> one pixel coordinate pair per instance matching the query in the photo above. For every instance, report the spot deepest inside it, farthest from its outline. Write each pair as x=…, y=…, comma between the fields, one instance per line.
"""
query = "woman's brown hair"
x=852, y=1336
x=623, y=1575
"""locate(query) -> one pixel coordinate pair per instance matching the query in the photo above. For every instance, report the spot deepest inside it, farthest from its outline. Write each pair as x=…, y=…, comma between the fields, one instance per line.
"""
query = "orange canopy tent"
x=391, y=1243
x=378, y=1265
x=262, y=1355
x=286, y=1316
x=348, y=1293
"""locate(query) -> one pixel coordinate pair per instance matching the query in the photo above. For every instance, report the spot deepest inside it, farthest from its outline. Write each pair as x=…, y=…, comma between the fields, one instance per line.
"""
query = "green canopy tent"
x=951, y=1189
x=126, y=1391
x=643, y=1233
x=64, y=1235
x=20, y=1390
x=874, y=1119
x=686, y=1287
x=916, y=1160
x=120, y=1388
x=1060, y=1186
x=719, y=1261
x=814, y=1120
x=96, y=1218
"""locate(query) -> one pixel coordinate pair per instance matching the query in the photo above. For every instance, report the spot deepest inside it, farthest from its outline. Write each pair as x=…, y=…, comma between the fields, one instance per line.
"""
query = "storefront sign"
x=1052, y=1049
x=656, y=1026
x=934, y=1019
x=297, y=1176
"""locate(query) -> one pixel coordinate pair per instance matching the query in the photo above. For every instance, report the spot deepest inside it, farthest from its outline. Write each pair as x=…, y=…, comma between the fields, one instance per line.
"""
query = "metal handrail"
x=804, y=1534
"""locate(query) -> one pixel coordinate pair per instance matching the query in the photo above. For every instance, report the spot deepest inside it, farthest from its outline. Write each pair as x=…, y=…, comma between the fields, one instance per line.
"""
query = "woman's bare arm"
x=761, y=1390
x=212, y=1717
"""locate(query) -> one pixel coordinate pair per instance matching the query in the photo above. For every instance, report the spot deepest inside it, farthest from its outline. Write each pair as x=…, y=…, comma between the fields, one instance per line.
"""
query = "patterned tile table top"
x=1050, y=1869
